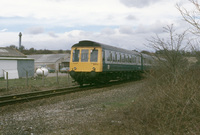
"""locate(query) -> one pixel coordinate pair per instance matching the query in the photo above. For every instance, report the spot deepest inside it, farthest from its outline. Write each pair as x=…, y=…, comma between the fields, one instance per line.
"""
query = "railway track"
x=29, y=96
x=25, y=97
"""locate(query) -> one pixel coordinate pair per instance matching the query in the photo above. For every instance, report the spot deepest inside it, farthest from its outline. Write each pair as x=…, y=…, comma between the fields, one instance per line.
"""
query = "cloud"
x=138, y=3
x=35, y=30
x=126, y=29
x=108, y=31
x=56, y=0
x=131, y=17
x=52, y=34
x=3, y=30
x=156, y=27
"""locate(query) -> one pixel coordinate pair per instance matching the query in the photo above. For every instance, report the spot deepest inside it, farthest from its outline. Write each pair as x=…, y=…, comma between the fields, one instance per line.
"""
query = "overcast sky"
x=58, y=24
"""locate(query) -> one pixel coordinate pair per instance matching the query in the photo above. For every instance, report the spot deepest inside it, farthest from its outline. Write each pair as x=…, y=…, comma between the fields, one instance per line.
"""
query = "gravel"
x=75, y=113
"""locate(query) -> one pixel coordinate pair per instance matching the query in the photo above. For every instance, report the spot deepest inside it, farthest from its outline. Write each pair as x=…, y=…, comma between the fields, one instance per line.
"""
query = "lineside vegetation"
x=170, y=101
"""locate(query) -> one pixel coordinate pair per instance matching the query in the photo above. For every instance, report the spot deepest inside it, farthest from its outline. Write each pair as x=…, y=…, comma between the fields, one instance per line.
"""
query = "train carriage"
x=93, y=62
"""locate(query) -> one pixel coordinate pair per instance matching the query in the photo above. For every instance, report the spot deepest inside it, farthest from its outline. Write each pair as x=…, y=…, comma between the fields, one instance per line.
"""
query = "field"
x=35, y=84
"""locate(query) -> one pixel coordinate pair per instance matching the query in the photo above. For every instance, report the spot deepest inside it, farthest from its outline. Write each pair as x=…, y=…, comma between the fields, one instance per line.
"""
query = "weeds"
x=163, y=107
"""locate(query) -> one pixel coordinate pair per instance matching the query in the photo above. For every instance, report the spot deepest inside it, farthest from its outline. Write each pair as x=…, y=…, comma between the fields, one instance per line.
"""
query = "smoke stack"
x=20, y=39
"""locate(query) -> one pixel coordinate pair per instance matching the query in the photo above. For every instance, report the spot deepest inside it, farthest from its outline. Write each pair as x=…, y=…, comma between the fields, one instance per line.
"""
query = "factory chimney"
x=20, y=37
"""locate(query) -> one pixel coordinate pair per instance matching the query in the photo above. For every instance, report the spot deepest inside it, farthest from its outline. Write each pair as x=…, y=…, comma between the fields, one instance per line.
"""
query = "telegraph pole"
x=20, y=39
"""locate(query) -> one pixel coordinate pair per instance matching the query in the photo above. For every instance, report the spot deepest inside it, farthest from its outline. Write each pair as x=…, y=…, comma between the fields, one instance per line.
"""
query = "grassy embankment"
x=164, y=106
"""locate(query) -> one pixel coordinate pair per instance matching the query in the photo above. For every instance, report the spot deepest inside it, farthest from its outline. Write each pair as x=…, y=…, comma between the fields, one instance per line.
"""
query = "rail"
x=25, y=97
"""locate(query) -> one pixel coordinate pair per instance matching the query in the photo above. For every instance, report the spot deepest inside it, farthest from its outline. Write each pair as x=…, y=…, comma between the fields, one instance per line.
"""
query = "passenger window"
x=84, y=55
x=103, y=55
x=118, y=57
x=134, y=59
x=76, y=55
x=129, y=59
x=124, y=58
x=94, y=55
x=114, y=56
x=108, y=56
x=111, y=57
x=139, y=59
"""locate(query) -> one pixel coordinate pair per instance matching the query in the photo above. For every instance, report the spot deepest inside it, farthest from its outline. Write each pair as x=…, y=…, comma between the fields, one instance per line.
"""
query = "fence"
x=36, y=83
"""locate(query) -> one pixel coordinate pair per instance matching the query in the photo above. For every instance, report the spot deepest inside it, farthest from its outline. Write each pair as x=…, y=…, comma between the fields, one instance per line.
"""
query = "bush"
x=164, y=107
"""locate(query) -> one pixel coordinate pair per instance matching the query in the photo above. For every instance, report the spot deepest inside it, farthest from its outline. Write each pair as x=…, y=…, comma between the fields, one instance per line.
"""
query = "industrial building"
x=15, y=64
x=51, y=61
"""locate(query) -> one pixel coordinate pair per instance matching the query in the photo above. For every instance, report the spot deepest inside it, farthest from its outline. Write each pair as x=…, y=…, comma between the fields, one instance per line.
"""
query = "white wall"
x=9, y=66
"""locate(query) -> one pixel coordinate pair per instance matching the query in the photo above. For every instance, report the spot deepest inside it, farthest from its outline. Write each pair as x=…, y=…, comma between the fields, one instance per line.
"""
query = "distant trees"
x=182, y=52
x=145, y=52
x=34, y=51
x=60, y=51
x=13, y=46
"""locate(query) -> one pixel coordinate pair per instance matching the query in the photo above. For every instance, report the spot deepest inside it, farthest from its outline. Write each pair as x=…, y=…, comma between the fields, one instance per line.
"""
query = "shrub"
x=164, y=107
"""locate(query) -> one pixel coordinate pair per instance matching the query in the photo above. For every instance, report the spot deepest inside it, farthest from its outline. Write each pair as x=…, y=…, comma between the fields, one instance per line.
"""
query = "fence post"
x=57, y=77
x=6, y=80
x=68, y=78
x=26, y=78
x=43, y=77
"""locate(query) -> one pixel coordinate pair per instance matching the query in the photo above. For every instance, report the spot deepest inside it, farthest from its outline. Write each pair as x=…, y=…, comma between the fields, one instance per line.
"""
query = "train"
x=93, y=62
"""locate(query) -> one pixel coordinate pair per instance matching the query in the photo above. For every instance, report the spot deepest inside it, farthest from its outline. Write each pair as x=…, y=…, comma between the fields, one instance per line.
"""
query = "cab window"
x=84, y=55
x=94, y=55
x=76, y=55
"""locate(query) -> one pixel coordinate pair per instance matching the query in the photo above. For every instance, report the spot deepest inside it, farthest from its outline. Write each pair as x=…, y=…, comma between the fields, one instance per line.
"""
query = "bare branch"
x=170, y=49
x=192, y=17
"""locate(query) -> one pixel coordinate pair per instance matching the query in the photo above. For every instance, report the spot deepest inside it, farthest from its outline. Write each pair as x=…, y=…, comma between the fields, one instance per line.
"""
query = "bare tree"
x=171, y=47
x=192, y=17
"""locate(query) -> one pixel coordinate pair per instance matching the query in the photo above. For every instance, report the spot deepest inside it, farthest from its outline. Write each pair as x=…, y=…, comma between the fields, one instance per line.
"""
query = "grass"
x=34, y=84
x=163, y=107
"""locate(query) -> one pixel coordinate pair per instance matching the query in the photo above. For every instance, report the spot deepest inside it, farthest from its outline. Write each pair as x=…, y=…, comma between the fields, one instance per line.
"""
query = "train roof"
x=87, y=43
x=146, y=56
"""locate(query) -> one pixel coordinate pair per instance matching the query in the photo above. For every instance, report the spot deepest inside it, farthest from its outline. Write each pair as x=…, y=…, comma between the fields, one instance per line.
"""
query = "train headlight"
x=75, y=68
x=93, y=68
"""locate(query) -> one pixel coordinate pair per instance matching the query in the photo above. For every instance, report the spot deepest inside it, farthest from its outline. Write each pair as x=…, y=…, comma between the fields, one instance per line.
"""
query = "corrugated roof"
x=15, y=58
x=10, y=52
x=49, y=58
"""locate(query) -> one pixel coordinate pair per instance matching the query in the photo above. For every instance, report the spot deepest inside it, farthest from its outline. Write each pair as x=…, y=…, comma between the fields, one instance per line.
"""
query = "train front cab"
x=85, y=63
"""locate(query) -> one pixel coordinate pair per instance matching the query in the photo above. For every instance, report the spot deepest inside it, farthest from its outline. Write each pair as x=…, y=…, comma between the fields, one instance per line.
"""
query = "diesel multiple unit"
x=93, y=62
